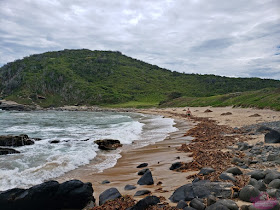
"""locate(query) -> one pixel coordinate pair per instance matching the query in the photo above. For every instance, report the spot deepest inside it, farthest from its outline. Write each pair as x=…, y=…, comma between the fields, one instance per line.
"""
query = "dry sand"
x=162, y=154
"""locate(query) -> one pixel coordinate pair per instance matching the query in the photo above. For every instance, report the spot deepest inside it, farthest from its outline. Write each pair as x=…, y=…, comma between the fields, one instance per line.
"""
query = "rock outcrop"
x=72, y=194
x=108, y=144
x=15, y=141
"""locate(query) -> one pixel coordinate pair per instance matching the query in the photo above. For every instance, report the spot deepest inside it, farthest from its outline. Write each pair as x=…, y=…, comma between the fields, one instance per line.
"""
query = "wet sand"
x=159, y=156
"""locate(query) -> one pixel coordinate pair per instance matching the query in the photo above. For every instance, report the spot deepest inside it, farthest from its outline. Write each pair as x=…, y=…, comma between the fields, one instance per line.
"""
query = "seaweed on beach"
x=209, y=148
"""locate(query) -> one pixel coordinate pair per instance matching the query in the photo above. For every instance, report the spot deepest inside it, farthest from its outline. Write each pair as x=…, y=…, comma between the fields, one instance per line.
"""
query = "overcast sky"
x=239, y=38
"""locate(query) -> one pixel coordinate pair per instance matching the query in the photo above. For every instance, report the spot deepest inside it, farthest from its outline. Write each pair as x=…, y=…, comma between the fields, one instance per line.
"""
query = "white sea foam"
x=43, y=161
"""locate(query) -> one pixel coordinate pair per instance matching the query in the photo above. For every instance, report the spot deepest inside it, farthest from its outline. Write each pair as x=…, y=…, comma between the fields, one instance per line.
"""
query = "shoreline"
x=159, y=156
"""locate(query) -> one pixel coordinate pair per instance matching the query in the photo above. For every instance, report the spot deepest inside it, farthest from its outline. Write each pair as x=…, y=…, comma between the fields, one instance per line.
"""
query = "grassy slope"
x=108, y=78
x=265, y=98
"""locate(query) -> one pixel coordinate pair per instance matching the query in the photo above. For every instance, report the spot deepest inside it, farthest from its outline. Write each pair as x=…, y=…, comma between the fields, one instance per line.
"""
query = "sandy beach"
x=162, y=154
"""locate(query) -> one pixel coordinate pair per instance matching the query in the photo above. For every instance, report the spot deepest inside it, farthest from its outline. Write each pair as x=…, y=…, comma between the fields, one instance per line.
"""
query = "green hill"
x=88, y=77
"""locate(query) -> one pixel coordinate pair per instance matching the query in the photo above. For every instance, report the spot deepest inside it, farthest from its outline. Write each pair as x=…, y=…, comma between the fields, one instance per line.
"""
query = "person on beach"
x=188, y=113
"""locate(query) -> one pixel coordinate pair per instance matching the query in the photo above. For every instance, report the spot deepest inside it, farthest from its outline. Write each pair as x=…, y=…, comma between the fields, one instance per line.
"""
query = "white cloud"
x=230, y=38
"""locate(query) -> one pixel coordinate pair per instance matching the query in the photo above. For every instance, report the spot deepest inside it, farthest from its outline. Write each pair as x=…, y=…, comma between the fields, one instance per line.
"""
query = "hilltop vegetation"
x=85, y=77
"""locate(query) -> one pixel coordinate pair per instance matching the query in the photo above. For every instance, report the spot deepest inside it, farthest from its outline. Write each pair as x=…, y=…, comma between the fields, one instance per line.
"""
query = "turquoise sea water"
x=43, y=160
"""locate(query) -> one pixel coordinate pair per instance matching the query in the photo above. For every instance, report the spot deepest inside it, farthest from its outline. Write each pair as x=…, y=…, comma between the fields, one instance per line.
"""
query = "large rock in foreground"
x=15, y=141
x=108, y=144
x=72, y=194
x=201, y=189
x=109, y=194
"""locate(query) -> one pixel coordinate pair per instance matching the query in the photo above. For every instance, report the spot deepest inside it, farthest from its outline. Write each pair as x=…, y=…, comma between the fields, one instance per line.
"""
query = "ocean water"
x=76, y=132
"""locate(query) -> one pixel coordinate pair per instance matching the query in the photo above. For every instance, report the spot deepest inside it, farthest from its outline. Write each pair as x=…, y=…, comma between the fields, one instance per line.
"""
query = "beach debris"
x=142, y=192
x=142, y=165
x=146, y=179
x=129, y=187
x=175, y=165
x=226, y=113
x=6, y=151
x=108, y=144
x=109, y=194
x=72, y=194
x=208, y=110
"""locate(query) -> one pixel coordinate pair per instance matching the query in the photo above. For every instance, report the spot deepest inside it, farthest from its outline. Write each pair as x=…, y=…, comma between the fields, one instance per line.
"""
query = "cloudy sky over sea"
x=239, y=38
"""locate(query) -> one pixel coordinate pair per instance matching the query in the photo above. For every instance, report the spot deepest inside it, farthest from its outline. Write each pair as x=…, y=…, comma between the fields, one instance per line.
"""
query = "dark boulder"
x=141, y=172
x=206, y=171
x=217, y=206
x=197, y=204
x=234, y=171
x=6, y=151
x=15, y=141
x=175, y=166
x=228, y=203
x=259, y=184
x=227, y=176
x=146, y=202
x=271, y=176
x=201, y=189
x=142, y=165
x=274, y=184
x=73, y=194
x=142, y=192
x=109, y=194
x=248, y=193
x=129, y=187
x=272, y=136
x=181, y=204
x=146, y=179
x=108, y=144
x=257, y=174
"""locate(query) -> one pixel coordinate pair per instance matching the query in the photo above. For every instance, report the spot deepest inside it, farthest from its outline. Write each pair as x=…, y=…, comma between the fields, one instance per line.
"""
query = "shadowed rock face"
x=72, y=194
x=15, y=141
x=108, y=144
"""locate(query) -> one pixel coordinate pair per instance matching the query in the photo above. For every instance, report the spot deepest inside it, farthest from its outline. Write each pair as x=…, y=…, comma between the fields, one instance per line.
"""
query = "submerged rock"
x=108, y=144
x=6, y=151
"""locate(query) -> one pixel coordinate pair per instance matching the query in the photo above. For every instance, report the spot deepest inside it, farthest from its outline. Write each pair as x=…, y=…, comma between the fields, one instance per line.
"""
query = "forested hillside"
x=87, y=77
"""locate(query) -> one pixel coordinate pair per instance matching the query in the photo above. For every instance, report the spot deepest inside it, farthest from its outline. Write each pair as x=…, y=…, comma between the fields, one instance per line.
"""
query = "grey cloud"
x=230, y=38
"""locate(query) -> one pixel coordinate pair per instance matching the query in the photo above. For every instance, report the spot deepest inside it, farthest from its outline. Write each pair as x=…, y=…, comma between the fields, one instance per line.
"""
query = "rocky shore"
x=233, y=165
